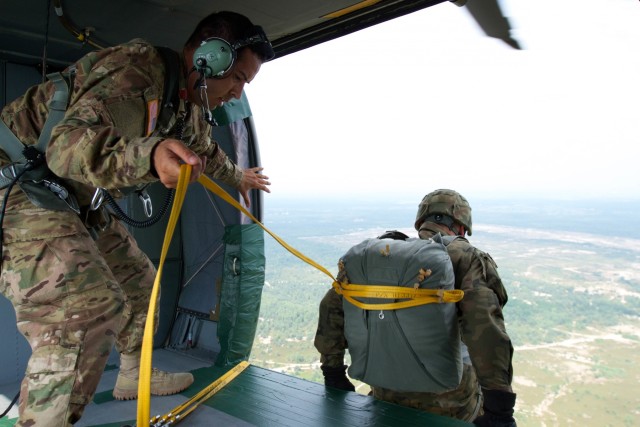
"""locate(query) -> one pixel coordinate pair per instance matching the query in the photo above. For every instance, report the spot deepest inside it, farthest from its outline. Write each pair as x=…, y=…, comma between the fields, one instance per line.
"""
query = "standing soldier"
x=75, y=276
x=484, y=395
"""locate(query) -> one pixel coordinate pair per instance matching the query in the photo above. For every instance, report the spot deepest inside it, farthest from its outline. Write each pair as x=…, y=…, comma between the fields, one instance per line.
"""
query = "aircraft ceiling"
x=32, y=30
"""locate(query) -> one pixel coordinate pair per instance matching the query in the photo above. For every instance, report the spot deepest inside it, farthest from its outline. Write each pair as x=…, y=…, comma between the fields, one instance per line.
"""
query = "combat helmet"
x=445, y=202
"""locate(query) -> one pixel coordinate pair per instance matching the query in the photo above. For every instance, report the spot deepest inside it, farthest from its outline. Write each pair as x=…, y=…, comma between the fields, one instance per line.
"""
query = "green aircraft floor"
x=262, y=397
x=267, y=398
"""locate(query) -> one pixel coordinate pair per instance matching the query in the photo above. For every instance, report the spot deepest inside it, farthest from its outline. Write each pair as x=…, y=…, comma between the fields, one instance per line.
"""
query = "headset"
x=215, y=56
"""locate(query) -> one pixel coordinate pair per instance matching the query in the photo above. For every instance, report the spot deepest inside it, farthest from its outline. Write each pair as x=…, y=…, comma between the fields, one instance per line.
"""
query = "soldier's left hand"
x=252, y=178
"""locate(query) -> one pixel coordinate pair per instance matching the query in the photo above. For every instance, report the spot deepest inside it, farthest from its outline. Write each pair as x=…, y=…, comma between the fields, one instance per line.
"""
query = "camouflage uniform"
x=482, y=330
x=75, y=296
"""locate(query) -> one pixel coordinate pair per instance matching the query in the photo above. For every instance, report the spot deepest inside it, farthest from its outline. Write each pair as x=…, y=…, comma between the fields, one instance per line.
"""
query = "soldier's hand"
x=169, y=155
x=498, y=409
x=252, y=178
x=337, y=378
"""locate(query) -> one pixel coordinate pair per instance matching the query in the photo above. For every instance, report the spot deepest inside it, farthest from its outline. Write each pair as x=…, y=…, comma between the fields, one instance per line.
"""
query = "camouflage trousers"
x=329, y=340
x=74, y=297
x=463, y=403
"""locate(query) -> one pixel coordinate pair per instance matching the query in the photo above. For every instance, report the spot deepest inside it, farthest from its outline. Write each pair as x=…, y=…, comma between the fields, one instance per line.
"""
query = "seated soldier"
x=484, y=394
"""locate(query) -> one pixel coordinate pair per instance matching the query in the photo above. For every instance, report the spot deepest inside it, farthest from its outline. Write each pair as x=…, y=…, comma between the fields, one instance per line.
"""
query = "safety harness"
x=29, y=167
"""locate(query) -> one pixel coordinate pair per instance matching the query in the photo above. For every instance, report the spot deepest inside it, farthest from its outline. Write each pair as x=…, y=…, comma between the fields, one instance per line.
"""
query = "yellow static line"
x=144, y=378
x=416, y=296
x=180, y=412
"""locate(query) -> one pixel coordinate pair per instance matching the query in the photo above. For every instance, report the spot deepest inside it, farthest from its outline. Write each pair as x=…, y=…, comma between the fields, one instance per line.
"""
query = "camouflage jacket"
x=480, y=311
x=108, y=132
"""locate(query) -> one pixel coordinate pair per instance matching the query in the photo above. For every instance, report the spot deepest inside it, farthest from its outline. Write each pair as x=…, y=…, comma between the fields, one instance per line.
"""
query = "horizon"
x=405, y=198
x=292, y=216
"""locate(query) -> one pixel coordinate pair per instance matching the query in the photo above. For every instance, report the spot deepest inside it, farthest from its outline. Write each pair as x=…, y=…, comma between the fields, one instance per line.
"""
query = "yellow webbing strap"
x=217, y=190
x=417, y=296
x=179, y=413
x=349, y=291
x=144, y=380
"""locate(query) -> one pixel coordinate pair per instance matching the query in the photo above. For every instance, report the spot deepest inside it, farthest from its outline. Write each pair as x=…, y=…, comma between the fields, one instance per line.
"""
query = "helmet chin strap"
x=447, y=221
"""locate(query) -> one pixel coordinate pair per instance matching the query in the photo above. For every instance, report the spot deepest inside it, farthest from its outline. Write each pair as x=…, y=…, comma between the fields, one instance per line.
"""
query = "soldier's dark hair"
x=232, y=27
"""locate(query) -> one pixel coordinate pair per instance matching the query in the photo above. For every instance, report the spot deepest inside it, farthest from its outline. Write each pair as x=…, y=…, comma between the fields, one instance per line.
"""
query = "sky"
x=429, y=101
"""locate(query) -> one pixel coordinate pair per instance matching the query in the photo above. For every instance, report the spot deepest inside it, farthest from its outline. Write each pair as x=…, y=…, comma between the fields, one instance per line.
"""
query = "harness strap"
x=10, y=143
x=413, y=297
x=15, y=149
x=57, y=107
x=170, y=99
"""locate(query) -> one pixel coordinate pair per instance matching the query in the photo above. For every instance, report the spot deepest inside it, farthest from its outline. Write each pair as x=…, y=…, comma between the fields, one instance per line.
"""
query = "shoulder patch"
x=152, y=116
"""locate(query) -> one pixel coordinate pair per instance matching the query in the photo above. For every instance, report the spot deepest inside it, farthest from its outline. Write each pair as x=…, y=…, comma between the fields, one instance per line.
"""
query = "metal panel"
x=28, y=33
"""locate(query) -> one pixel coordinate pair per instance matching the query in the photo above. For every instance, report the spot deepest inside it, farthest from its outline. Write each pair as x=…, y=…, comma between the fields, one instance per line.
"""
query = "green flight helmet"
x=445, y=202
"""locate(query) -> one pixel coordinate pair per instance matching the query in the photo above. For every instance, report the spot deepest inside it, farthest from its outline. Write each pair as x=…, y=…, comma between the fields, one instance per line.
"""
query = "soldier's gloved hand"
x=498, y=409
x=337, y=378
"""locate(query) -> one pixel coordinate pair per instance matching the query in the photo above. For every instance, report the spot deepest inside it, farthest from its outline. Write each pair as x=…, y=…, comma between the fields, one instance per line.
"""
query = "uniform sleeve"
x=101, y=141
x=222, y=168
x=219, y=166
x=481, y=318
x=330, y=340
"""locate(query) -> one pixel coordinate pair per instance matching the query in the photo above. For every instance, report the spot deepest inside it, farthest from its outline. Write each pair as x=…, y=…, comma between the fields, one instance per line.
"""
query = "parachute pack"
x=413, y=349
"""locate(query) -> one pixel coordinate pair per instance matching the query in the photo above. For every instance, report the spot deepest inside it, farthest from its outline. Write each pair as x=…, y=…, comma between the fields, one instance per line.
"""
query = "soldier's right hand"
x=169, y=155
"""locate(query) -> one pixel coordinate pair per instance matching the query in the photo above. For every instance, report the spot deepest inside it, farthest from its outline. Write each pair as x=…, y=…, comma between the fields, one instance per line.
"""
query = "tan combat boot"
x=162, y=383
